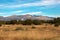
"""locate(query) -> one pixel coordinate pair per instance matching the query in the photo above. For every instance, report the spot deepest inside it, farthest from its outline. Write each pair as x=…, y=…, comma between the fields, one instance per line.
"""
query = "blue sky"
x=33, y=7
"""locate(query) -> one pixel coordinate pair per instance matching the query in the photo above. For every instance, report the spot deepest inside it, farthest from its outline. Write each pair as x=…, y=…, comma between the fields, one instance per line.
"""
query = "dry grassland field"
x=29, y=32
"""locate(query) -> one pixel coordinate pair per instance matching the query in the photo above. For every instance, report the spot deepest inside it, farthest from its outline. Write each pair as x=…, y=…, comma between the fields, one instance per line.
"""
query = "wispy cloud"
x=18, y=11
x=2, y=13
x=38, y=3
x=12, y=12
x=33, y=13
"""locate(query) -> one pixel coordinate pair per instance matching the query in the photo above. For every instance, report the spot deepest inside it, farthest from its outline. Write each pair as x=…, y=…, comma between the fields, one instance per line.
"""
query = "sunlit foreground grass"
x=29, y=32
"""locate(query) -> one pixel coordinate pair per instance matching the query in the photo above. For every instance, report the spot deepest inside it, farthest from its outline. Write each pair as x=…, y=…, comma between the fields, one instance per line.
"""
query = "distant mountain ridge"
x=24, y=17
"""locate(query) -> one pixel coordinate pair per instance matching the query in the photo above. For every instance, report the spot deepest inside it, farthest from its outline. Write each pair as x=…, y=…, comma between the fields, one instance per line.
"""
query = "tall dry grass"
x=29, y=32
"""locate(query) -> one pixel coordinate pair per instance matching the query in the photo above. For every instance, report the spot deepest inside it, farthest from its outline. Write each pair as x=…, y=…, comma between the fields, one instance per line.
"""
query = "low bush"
x=56, y=25
x=0, y=24
x=19, y=28
x=33, y=27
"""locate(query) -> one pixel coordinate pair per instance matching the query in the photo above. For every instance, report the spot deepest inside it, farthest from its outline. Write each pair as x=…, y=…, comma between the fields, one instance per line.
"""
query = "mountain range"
x=24, y=17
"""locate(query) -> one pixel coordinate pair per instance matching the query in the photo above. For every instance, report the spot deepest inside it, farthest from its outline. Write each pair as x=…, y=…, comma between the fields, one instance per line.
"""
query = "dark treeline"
x=26, y=22
x=56, y=21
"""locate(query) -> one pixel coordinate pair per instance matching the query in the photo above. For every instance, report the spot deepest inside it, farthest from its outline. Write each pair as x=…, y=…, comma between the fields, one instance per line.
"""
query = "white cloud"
x=33, y=13
x=38, y=3
x=1, y=5
x=12, y=12
x=17, y=11
x=43, y=3
x=2, y=13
